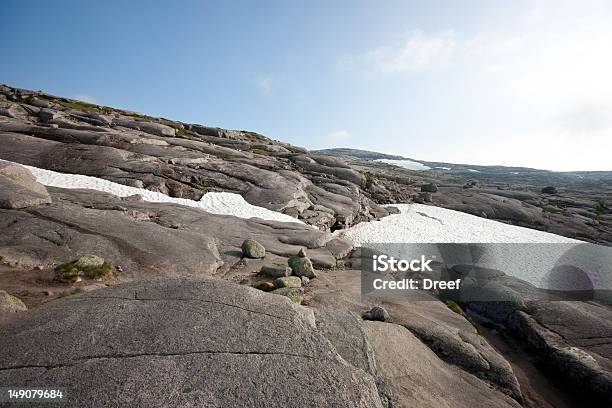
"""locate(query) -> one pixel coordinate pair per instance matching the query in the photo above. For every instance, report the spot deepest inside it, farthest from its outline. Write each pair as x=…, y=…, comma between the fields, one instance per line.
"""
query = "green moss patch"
x=454, y=306
x=68, y=271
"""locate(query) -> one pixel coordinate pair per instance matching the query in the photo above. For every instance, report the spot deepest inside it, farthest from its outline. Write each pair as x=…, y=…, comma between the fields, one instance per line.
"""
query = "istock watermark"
x=486, y=272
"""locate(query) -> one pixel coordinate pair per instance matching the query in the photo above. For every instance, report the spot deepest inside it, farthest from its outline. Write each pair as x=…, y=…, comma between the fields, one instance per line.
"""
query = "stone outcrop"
x=180, y=159
x=19, y=189
x=181, y=343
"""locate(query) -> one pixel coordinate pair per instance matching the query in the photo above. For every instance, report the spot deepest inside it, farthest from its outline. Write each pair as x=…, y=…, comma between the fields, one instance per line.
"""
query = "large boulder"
x=180, y=342
x=19, y=189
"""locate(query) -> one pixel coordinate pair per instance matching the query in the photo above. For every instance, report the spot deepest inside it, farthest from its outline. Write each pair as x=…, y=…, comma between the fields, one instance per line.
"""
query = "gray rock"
x=549, y=190
x=305, y=280
x=253, y=249
x=377, y=313
x=288, y=282
x=429, y=188
x=19, y=189
x=79, y=222
x=301, y=266
x=210, y=339
x=401, y=357
x=296, y=295
x=265, y=286
x=275, y=271
x=89, y=260
x=10, y=303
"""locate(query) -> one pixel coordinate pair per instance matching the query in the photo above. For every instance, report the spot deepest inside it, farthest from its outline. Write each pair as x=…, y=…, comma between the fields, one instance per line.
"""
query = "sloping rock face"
x=19, y=189
x=181, y=160
x=458, y=369
x=148, y=239
x=181, y=343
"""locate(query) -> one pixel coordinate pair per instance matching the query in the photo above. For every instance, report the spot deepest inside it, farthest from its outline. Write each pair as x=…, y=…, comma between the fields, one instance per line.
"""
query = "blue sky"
x=517, y=83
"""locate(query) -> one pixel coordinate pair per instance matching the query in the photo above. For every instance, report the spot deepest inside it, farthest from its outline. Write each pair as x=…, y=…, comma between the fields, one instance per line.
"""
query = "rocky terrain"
x=158, y=304
x=575, y=205
x=180, y=159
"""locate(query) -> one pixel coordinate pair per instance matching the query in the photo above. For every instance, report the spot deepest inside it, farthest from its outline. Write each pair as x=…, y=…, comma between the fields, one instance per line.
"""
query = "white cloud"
x=338, y=136
x=86, y=98
x=552, y=73
x=417, y=52
x=264, y=84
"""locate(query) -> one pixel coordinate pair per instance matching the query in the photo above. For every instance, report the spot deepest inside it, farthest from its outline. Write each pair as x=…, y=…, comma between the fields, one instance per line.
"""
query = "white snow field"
x=418, y=223
x=215, y=203
x=407, y=164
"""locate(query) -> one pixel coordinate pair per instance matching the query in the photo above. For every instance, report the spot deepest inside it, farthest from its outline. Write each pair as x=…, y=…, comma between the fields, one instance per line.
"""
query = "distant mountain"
x=497, y=174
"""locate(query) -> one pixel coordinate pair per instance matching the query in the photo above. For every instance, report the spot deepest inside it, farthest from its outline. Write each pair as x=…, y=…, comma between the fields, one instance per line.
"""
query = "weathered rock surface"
x=459, y=351
x=142, y=237
x=181, y=343
x=19, y=189
x=571, y=338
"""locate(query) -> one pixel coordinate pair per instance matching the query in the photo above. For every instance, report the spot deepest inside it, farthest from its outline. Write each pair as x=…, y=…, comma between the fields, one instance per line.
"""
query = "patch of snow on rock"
x=407, y=164
x=216, y=203
x=418, y=223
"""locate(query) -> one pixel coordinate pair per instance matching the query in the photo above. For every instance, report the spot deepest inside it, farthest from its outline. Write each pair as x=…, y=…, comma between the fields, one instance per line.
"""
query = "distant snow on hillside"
x=407, y=164
x=216, y=203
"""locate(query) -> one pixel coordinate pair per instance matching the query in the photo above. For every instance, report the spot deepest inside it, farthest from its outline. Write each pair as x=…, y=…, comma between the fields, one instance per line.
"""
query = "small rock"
x=288, y=282
x=78, y=279
x=93, y=286
x=253, y=249
x=265, y=286
x=89, y=260
x=302, y=253
x=429, y=188
x=305, y=280
x=275, y=271
x=48, y=293
x=10, y=303
x=301, y=266
x=549, y=190
x=295, y=294
x=378, y=314
x=426, y=197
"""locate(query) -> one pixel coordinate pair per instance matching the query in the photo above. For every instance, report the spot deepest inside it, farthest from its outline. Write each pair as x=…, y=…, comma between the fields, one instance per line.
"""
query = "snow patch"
x=407, y=164
x=216, y=203
x=418, y=223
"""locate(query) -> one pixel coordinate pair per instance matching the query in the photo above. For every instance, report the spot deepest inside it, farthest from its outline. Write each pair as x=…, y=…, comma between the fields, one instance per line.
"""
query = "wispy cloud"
x=417, y=52
x=264, y=84
x=338, y=136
